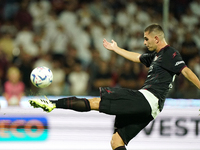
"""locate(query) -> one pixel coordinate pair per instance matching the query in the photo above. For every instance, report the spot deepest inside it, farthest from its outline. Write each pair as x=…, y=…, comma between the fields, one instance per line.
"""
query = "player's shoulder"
x=171, y=52
x=169, y=49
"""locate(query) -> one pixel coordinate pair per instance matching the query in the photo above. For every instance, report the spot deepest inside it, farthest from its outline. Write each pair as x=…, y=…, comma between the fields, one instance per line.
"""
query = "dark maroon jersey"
x=163, y=67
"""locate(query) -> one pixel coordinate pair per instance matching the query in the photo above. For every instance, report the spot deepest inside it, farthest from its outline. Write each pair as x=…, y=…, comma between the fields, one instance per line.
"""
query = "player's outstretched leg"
x=74, y=103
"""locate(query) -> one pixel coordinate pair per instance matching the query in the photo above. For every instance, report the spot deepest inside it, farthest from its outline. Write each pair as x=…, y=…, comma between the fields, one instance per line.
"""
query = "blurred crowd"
x=67, y=35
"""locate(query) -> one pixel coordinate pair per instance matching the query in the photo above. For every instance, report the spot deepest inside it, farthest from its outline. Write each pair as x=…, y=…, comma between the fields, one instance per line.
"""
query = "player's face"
x=150, y=41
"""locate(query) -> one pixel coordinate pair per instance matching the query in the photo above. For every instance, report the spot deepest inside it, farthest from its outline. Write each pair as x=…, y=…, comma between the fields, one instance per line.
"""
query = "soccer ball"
x=41, y=77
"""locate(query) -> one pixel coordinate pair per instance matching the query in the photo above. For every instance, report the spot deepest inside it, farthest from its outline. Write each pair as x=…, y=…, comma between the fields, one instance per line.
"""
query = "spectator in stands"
x=7, y=45
x=122, y=18
x=127, y=78
x=70, y=59
x=143, y=17
x=82, y=44
x=131, y=7
x=96, y=8
x=56, y=87
x=4, y=63
x=103, y=78
x=93, y=68
x=189, y=48
x=115, y=64
x=181, y=31
x=121, y=35
x=68, y=18
x=25, y=39
x=60, y=40
x=44, y=60
x=194, y=6
x=196, y=36
x=25, y=63
x=23, y=17
x=135, y=42
x=173, y=22
x=84, y=15
x=8, y=27
x=13, y=88
x=50, y=27
x=99, y=32
x=174, y=40
x=10, y=9
x=194, y=64
x=189, y=19
x=78, y=80
x=39, y=10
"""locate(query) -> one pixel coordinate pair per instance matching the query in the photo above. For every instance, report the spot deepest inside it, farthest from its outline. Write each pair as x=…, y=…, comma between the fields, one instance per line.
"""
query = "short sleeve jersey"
x=163, y=67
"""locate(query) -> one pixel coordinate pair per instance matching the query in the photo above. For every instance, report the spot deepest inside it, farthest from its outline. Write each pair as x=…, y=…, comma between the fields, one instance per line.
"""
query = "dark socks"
x=74, y=103
x=120, y=148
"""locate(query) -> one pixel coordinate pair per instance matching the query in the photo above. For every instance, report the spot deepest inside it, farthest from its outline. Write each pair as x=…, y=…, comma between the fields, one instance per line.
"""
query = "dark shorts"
x=131, y=108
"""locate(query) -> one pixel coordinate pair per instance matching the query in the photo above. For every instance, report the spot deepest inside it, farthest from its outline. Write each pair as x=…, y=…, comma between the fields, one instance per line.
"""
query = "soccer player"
x=133, y=109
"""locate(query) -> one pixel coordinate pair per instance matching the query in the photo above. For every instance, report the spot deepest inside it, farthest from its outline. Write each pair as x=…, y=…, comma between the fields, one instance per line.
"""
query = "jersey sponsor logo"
x=174, y=54
x=179, y=62
x=23, y=128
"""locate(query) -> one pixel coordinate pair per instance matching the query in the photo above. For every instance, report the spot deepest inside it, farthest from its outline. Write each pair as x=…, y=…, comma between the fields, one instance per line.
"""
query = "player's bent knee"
x=116, y=141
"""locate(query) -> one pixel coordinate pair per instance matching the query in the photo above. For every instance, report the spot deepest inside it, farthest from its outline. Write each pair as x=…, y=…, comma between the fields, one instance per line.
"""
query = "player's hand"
x=110, y=46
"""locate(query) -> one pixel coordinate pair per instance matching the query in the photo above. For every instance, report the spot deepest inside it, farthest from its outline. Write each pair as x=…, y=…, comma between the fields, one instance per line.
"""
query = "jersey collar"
x=163, y=48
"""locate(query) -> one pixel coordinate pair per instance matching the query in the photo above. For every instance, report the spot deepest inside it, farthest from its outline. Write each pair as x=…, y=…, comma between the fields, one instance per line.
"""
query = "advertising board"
x=177, y=127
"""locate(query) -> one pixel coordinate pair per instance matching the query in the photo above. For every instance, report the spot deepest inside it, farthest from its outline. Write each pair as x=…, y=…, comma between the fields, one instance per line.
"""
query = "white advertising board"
x=176, y=128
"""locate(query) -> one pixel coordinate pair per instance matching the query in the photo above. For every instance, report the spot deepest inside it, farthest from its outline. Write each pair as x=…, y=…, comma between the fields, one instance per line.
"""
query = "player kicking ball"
x=134, y=109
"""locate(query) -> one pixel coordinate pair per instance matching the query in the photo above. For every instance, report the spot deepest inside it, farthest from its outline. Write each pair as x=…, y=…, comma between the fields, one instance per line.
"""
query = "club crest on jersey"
x=157, y=58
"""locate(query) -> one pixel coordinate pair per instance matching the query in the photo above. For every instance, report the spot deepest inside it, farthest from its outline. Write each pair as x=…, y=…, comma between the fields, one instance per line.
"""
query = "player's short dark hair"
x=154, y=27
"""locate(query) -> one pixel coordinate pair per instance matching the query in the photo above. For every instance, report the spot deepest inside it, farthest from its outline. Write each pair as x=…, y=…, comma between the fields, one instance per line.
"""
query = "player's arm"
x=191, y=76
x=135, y=57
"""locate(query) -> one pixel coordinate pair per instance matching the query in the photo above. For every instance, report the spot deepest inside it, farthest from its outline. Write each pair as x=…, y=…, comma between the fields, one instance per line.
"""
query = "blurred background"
x=66, y=36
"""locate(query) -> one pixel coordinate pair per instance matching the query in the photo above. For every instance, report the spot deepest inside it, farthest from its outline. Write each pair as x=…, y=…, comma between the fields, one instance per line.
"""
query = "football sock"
x=120, y=148
x=74, y=103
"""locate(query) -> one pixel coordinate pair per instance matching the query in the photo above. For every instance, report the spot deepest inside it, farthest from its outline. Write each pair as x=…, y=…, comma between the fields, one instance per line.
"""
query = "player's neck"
x=161, y=45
